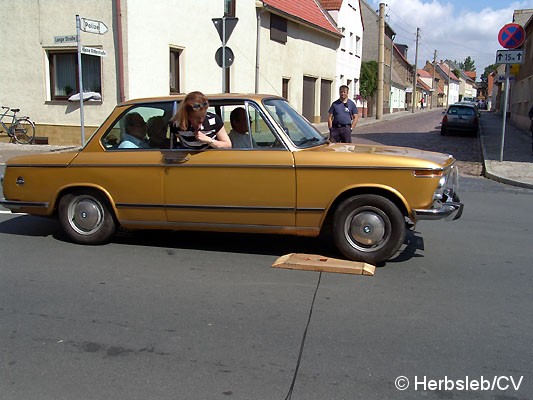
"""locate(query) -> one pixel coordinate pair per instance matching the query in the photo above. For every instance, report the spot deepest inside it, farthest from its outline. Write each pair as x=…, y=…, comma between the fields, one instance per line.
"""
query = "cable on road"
x=289, y=394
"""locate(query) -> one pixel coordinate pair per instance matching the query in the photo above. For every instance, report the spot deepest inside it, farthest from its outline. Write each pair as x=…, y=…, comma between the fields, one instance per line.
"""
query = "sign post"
x=510, y=36
x=89, y=26
x=224, y=55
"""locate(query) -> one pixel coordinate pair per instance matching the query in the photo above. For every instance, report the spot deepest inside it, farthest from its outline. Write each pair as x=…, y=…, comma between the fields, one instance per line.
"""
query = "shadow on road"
x=263, y=244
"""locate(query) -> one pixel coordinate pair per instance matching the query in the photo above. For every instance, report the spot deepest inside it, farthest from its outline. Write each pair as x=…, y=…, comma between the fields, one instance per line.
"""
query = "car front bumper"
x=449, y=208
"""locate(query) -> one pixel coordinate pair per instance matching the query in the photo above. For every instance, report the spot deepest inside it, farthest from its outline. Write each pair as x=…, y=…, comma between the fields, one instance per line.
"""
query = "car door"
x=131, y=176
x=232, y=188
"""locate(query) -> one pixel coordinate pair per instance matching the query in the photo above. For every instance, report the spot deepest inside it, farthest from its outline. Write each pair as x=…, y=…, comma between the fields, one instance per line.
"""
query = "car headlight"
x=448, y=184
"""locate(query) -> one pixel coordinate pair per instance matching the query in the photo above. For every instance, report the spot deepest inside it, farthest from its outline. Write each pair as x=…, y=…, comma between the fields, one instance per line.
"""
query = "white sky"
x=454, y=28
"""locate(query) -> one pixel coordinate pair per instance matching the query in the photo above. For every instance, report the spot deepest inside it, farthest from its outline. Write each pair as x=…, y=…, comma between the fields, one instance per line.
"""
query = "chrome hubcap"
x=366, y=230
x=85, y=215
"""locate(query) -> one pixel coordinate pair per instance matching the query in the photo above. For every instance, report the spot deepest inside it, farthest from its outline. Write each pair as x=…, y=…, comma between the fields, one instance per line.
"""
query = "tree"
x=368, y=79
x=488, y=70
x=468, y=64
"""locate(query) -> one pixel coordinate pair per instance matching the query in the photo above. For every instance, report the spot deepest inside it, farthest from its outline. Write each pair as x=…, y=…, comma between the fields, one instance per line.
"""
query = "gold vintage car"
x=291, y=180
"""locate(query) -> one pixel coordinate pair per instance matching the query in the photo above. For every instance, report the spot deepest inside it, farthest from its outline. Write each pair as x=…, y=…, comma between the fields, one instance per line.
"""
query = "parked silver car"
x=461, y=117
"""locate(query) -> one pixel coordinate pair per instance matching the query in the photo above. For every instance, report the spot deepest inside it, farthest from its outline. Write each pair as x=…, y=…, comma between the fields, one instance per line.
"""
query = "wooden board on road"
x=313, y=262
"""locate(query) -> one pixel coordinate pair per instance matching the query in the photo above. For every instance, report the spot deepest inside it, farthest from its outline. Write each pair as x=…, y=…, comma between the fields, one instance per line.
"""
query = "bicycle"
x=22, y=129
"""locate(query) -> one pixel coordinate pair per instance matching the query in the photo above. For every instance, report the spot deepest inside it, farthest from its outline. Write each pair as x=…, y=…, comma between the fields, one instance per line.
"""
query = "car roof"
x=217, y=96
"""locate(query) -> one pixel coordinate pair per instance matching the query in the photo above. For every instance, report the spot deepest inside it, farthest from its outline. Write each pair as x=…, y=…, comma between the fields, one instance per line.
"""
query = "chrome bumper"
x=449, y=208
x=14, y=205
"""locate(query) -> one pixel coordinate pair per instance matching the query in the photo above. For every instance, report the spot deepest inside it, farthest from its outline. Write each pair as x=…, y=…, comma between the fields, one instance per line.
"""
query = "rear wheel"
x=368, y=228
x=23, y=131
x=86, y=217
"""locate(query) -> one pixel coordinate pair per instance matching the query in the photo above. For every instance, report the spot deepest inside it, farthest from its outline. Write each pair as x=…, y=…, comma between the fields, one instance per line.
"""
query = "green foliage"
x=487, y=72
x=468, y=64
x=368, y=80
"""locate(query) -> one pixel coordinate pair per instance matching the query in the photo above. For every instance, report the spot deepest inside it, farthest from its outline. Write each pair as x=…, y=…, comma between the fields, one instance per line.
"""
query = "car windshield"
x=296, y=127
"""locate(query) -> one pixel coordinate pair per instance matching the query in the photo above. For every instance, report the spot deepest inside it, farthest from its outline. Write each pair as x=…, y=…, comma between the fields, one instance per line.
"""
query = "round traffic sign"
x=511, y=36
x=228, y=57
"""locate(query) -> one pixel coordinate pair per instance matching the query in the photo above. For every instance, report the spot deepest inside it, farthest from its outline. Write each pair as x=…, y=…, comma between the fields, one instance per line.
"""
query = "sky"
x=456, y=29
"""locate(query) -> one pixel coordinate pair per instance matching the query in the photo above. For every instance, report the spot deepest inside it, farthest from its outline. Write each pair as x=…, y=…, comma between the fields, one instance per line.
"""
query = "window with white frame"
x=64, y=77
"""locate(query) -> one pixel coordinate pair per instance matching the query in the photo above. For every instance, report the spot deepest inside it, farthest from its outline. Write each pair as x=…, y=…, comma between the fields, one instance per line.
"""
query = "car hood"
x=56, y=159
x=380, y=156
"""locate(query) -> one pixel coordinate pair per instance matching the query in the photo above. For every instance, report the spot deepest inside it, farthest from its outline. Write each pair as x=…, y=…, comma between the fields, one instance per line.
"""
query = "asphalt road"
x=161, y=315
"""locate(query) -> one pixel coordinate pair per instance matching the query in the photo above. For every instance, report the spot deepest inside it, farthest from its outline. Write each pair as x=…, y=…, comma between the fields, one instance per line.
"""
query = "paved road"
x=162, y=315
x=422, y=131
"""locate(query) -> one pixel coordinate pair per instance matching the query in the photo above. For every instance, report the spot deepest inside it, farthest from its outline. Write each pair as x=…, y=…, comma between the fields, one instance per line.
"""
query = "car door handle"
x=172, y=160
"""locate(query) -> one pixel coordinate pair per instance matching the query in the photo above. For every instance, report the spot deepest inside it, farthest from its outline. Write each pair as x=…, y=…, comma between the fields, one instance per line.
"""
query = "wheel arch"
x=87, y=187
x=389, y=193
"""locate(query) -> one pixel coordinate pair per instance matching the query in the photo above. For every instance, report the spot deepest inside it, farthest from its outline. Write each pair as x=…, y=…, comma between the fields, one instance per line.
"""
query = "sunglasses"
x=199, y=106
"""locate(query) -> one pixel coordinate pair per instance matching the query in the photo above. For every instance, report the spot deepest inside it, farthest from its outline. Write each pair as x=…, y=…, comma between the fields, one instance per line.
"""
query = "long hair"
x=181, y=118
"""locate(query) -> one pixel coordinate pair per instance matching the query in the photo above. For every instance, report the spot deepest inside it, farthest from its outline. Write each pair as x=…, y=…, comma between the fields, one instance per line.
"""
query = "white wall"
x=150, y=29
x=349, y=53
x=25, y=38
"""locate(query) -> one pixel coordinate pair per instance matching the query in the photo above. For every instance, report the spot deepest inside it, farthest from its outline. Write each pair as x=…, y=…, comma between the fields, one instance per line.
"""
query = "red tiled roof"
x=331, y=4
x=306, y=10
x=423, y=73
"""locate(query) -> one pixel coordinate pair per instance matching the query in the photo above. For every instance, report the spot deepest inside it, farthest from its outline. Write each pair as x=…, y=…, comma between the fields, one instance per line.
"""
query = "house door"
x=325, y=99
x=308, y=101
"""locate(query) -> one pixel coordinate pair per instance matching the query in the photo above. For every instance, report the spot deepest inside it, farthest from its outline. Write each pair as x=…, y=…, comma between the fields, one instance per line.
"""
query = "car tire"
x=86, y=217
x=368, y=228
x=443, y=131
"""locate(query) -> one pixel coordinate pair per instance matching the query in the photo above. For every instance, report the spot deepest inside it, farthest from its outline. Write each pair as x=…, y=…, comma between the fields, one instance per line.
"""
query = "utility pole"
x=433, y=81
x=415, y=73
x=448, y=89
x=381, y=60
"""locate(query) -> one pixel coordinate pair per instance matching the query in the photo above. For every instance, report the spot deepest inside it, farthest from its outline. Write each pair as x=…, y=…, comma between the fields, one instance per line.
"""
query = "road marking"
x=12, y=213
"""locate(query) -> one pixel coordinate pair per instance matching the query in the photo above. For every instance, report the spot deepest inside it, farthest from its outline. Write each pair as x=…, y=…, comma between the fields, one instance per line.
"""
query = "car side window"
x=141, y=127
x=246, y=126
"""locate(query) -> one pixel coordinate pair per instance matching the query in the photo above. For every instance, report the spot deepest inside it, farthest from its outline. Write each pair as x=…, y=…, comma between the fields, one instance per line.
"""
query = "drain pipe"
x=261, y=6
x=120, y=50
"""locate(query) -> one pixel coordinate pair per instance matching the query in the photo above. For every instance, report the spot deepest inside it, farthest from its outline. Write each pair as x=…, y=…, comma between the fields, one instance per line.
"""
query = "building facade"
x=159, y=48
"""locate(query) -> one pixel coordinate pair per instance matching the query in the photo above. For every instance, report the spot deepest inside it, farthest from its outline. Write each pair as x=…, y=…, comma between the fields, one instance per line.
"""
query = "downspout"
x=259, y=5
x=120, y=51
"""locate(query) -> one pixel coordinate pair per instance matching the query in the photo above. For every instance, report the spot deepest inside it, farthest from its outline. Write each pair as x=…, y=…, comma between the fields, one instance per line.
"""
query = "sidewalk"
x=517, y=165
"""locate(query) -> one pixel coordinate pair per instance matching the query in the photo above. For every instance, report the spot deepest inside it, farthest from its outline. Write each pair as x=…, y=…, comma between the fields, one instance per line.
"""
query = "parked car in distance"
x=460, y=117
x=291, y=180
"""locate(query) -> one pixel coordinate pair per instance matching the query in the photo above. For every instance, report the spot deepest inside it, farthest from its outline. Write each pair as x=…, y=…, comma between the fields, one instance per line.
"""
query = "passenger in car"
x=239, y=136
x=197, y=128
x=135, y=134
x=157, y=133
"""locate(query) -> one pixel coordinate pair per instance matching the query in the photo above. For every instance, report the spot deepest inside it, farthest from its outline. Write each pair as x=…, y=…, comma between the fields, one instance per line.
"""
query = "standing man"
x=342, y=117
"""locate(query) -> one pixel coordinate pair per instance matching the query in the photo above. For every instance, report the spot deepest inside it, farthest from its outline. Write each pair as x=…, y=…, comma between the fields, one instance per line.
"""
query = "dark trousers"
x=341, y=135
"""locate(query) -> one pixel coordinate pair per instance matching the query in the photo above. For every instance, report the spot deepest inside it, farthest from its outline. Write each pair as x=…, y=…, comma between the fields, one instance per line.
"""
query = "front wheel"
x=86, y=217
x=23, y=131
x=368, y=228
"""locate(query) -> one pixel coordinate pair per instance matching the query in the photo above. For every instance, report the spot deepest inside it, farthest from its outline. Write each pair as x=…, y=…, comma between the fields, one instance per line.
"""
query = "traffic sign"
x=93, y=51
x=92, y=26
x=225, y=31
x=511, y=36
x=509, y=56
x=65, y=39
x=503, y=78
x=229, y=57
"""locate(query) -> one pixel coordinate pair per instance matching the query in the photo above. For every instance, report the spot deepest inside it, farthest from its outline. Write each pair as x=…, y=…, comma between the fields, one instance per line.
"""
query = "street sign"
x=509, y=56
x=92, y=26
x=229, y=57
x=93, y=51
x=511, y=36
x=65, y=39
x=503, y=78
x=225, y=31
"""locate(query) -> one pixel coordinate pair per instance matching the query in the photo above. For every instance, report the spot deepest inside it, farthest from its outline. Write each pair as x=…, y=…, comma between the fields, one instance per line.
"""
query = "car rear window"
x=461, y=111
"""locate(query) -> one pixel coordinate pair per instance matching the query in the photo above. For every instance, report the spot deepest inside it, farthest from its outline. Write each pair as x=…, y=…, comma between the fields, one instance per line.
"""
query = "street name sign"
x=93, y=51
x=65, y=39
x=92, y=26
x=509, y=56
